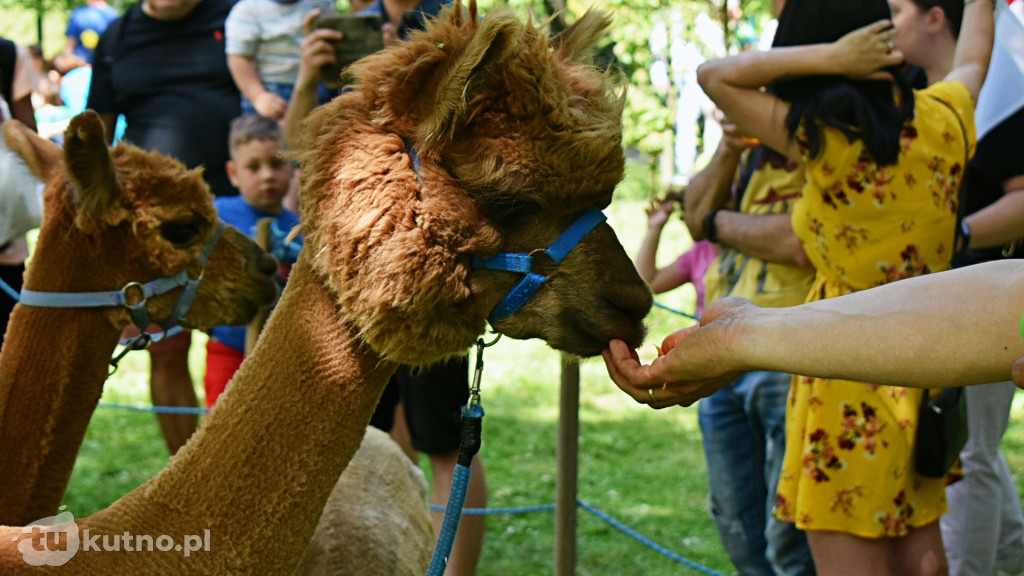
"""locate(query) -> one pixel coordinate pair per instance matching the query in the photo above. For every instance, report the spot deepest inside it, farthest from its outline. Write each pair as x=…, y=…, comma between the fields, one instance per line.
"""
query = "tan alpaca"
x=377, y=517
x=517, y=136
x=101, y=237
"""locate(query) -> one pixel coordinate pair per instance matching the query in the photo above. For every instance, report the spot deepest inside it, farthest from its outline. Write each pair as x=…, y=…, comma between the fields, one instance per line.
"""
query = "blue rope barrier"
x=646, y=541
x=157, y=409
x=599, y=514
x=498, y=511
x=679, y=312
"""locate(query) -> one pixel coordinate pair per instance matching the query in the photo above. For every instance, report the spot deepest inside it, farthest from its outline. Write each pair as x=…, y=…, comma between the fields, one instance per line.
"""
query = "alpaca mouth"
x=590, y=338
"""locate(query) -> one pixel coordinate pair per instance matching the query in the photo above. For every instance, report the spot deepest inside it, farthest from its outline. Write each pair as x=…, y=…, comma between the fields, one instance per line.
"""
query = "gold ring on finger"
x=650, y=392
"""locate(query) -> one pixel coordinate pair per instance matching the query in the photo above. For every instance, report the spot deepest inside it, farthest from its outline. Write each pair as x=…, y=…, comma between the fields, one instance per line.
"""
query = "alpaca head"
x=122, y=215
x=471, y=138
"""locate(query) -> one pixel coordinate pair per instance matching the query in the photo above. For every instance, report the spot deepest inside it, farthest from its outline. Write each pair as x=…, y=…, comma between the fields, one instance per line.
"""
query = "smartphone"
x=361, y=36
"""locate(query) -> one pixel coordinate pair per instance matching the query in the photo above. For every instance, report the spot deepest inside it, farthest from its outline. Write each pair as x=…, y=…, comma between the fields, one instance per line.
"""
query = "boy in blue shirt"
x=262, y=175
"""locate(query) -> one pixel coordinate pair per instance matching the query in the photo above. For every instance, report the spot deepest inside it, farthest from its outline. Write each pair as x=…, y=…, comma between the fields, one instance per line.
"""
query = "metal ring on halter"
x=480, y=341
x=650, y=392
x=139, y=287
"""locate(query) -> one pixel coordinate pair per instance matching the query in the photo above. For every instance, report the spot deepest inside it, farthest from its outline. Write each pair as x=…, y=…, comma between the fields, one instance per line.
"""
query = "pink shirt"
x=692, y=264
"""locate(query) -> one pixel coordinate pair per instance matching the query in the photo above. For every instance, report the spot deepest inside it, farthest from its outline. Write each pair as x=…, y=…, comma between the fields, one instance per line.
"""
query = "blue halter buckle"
x=522, y=263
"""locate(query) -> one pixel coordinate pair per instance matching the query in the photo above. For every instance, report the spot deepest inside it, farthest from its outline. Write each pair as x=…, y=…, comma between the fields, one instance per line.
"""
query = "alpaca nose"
x=632, y=299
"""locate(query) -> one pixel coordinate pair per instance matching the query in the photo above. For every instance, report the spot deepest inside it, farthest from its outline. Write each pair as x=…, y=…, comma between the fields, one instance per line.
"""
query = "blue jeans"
x=744, y=431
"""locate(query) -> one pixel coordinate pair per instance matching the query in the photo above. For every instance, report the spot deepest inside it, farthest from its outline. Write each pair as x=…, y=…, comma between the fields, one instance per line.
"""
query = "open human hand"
x=695, y=361
x=658, y=211
x=866, y=52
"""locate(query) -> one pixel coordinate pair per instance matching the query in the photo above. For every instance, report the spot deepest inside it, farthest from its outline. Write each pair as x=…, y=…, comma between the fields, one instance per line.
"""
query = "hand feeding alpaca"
x=112, y=218
x=516, y=136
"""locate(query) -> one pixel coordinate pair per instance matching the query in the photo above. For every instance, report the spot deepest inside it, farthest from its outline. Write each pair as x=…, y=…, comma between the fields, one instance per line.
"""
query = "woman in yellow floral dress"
x=883, y=167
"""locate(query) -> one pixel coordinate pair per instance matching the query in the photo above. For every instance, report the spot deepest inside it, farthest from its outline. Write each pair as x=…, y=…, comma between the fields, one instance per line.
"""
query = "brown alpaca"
x=111, y=217
x=517, y=136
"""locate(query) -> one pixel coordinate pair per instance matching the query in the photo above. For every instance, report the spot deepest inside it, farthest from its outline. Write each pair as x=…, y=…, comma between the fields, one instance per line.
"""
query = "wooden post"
x=567, y=455
x=252, y=330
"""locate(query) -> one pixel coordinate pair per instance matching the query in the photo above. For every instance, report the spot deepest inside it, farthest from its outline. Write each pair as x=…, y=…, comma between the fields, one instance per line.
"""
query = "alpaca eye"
x=182, y=233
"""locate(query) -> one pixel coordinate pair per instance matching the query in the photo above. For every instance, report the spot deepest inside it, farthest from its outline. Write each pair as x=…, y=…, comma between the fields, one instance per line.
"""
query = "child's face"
x=260, y=173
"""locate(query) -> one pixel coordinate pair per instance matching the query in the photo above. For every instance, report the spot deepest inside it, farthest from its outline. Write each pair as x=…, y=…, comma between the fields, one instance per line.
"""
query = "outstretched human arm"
x=974, y=46
x=734, y=83
x=947, y=329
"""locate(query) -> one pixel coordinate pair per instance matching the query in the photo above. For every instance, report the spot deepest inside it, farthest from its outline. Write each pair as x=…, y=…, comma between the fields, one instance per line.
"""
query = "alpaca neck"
x=52, y=368
x=259, y=470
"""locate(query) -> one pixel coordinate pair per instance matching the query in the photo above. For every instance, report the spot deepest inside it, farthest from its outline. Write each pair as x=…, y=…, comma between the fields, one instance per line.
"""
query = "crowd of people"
x=871, y=105
x=848, y=182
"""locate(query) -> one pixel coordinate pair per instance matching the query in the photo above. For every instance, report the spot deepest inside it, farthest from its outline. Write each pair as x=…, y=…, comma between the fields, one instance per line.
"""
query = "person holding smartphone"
x=263, y=41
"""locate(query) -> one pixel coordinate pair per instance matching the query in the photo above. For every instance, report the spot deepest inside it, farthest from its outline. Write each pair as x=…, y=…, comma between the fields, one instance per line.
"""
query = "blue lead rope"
x=472, y=418
x=469, y=445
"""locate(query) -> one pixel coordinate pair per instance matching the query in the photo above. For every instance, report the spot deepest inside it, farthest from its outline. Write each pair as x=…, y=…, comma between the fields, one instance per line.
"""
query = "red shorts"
x=221, y=364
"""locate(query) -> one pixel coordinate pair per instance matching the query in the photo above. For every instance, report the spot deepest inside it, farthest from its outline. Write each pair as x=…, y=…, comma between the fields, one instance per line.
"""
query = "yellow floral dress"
x=849, y=445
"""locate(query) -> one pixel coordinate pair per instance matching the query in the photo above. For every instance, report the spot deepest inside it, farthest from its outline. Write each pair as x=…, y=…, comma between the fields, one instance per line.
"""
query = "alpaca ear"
x=493, y=43
x=40, y=155
x=90, y=166
x=576, y=43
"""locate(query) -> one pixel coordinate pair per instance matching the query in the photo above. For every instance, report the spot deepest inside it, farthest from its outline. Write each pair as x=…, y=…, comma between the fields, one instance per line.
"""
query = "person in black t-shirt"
x=162, y=64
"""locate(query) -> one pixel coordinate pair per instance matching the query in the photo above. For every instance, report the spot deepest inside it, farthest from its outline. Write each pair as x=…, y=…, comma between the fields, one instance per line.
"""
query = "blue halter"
x=137, y=310
x=522, y=263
